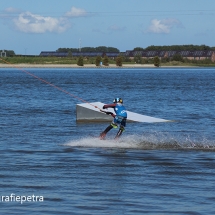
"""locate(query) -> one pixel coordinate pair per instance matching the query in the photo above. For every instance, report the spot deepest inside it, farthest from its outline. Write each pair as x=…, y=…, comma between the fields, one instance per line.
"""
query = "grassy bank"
x=178, y=63
x=73, y=60
x=49, y=60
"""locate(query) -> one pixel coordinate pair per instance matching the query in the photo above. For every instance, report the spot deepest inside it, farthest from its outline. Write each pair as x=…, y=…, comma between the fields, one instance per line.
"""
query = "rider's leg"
x=103, y=134
x=119, y=133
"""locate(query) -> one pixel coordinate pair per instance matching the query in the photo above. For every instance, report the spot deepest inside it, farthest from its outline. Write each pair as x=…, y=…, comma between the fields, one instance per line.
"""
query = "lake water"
x=52, y=165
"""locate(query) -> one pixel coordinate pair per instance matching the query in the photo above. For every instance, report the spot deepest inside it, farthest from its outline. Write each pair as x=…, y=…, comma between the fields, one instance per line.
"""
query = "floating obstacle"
x=90, y=112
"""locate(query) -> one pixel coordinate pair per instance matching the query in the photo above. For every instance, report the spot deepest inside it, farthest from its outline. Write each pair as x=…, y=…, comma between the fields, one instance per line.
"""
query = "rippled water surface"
x=161, y=168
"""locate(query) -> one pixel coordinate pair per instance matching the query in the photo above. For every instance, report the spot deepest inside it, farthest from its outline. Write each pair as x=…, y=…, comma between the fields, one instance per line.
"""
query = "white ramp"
x=88, y=113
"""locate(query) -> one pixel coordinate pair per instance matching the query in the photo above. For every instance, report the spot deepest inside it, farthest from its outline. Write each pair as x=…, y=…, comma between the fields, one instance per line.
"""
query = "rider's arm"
x=109, y=106
x=110, y=113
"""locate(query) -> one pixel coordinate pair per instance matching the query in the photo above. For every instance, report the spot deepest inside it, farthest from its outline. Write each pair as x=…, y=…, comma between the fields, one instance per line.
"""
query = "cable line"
x=50, y=84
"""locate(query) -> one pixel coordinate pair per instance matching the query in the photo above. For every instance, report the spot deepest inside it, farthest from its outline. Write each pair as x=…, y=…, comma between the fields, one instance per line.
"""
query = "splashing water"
x=149, y=141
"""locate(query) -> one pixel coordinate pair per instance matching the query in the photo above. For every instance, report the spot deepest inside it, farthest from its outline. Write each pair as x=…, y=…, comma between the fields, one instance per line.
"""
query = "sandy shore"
x=74, y=66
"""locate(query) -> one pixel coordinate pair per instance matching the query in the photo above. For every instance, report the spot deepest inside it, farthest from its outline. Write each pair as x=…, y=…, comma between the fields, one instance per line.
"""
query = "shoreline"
x=24, y=65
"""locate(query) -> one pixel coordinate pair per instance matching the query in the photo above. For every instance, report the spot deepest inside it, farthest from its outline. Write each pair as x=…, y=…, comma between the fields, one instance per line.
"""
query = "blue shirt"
x=120, y=110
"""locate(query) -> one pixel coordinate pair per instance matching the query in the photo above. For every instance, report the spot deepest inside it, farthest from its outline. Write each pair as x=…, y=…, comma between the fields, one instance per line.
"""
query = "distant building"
x=191, y=55
x=3, y=53
x=53, y=54
x=78, y=54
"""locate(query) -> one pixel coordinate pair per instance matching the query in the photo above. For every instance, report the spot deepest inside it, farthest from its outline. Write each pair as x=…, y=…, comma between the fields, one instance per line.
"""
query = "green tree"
x=105, y=61
x=177, y=57
x=165, y=60
x=119, y=61
x=92, y=60
x=138, y=58
x=112, y=49
x=88, y=49
x=80, y=61
x=138, y=49
x=156, y=61
x=179, y=48
x=127, y=59
x=98, y=60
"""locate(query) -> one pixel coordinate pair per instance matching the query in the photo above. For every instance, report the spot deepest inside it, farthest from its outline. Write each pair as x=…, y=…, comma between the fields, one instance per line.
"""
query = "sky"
x=29, y=27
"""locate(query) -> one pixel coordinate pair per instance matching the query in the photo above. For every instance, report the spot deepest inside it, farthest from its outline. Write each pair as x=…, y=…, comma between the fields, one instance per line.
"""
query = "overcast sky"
x=32, y=26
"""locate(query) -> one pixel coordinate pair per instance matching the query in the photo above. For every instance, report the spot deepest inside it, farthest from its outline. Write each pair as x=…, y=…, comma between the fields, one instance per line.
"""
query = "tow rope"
x=50, y=84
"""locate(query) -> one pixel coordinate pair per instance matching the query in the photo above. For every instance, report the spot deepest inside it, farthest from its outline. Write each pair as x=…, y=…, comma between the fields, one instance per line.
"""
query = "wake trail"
x=144, y=142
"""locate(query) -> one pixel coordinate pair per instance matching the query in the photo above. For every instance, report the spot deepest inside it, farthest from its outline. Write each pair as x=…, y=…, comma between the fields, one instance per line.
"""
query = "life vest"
x=120, y=110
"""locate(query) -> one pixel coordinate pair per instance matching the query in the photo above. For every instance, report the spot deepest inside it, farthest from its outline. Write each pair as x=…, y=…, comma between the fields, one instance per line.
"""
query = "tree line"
x=149, y=48
x=105, y=49
x=90, y=49
x=176, y=48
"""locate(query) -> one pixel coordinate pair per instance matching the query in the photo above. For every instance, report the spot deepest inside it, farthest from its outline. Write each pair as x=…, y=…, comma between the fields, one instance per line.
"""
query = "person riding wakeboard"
x=120, y=117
